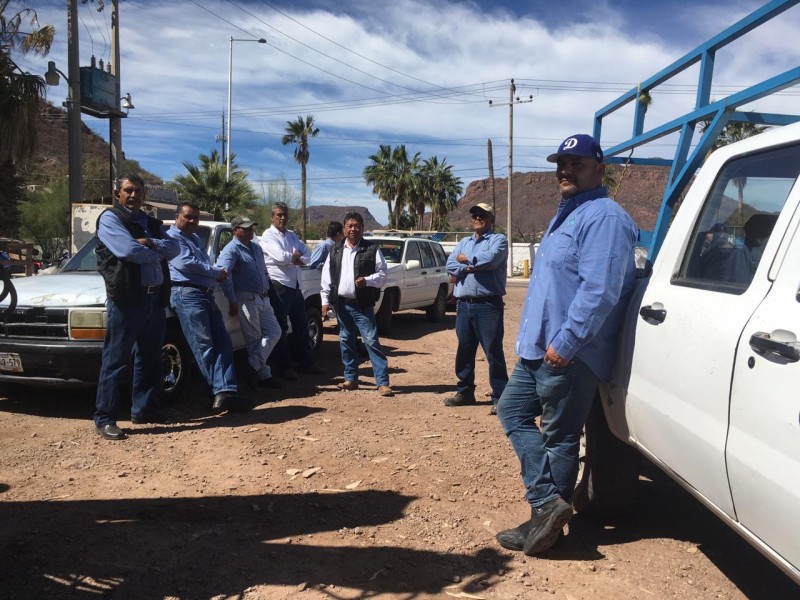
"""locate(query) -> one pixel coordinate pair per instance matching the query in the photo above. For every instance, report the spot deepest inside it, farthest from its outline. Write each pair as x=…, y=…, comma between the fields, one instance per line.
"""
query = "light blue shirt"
x=121, y=243
x=320, y=253
x=582, y=277
x=488, y=257
x=192, y=264
x=246, y=269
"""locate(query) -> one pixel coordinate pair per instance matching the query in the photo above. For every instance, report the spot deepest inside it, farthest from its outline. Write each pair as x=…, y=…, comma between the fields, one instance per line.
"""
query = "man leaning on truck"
x=132, y=254
x=582, y=276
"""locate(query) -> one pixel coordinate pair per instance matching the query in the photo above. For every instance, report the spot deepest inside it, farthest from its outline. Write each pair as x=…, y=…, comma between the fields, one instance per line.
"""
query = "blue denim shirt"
x=246, y=269
x=582, y=277
x=488, y=255
x=320, y=253
x=192, y=264
x=122, y=245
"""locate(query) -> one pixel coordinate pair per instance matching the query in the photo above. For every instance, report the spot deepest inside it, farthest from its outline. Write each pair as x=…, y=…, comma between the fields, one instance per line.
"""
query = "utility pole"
x=73, y=112
x=491, y=175
x=115, y=121
x=511, y=102
x=221, y=137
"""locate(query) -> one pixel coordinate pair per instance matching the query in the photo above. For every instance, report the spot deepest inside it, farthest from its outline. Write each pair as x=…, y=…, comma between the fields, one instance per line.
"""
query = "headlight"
x=87, y=324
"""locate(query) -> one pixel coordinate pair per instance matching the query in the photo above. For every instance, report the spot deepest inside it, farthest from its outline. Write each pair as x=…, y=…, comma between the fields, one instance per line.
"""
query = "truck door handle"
x=648, y=313
x=763, y=343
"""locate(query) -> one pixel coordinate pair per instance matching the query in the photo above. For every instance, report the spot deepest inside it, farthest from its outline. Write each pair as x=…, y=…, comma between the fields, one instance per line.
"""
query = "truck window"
x=428, y=259
x=412, y=252
x=737, y=220
x=441, y=257
x=392, y=251
x=225, y=236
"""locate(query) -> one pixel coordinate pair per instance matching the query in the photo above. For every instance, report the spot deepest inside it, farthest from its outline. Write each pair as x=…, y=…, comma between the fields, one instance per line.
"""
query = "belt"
x=151, y=289
x=348, y=300
x=207, y=290
x=259, y=294
x=478, y=299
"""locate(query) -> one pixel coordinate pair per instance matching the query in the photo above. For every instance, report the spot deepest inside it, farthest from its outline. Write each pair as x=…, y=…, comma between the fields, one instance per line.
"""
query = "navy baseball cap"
x=579, y=144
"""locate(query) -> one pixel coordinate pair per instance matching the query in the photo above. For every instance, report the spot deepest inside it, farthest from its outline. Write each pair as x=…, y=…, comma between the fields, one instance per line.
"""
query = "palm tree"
x=377, y=174
x=20, y=96
x=207, y=185
x=298, y=132
x=443, y=190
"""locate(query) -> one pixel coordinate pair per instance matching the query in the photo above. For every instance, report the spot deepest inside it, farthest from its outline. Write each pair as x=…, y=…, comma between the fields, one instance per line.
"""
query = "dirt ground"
x=320, y=493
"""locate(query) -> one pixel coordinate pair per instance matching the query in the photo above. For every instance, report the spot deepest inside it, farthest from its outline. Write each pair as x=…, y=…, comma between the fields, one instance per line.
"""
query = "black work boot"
x=551, y=519
x=460, y=399
x=514, y=539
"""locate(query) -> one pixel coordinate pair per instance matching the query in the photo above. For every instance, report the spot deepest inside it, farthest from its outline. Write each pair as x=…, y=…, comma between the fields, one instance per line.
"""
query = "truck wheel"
x=176, y=365
x=608, y=471
x=383, y=319
x=435, y=312
x=314, y=326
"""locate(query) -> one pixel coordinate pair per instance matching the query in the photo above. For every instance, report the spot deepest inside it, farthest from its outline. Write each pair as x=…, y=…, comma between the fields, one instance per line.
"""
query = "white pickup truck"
x=54, y=336
x=417, y=278
x=708, y=374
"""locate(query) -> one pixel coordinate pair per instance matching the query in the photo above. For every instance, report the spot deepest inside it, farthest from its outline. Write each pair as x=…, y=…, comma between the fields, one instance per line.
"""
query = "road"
x=330, y=494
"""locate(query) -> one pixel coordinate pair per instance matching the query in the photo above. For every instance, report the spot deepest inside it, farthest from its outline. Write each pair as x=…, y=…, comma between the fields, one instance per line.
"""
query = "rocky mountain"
x=535, y=199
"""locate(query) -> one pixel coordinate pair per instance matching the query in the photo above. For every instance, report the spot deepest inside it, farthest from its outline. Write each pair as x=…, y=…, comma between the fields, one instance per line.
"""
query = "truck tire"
x=383, y=318
x=176, y=365
x=314, y=327
x=435, y=312
x=609, y=469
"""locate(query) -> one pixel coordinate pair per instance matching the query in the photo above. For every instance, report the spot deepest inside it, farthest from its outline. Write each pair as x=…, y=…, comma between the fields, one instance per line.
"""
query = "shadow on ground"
x=203, y=547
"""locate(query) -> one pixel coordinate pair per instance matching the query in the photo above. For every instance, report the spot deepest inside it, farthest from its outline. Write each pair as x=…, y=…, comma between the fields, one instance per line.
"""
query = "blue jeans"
x=480, y=324
x=562, y=397
x=138, y=328
x=352, y=321
x=204, y=330
x=294, y=307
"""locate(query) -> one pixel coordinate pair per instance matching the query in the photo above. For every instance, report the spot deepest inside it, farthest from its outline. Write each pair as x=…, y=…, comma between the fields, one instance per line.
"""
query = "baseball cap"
x=579, y=144
x=241, y=221
x=482, y=206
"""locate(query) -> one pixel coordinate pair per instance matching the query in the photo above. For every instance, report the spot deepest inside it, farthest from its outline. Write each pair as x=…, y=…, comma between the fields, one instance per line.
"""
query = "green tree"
x=45, y=218
x=207, y=185
x=377, y=174
x=20, y=96
x=392, y=177
x=441, y=191
x=298, y=132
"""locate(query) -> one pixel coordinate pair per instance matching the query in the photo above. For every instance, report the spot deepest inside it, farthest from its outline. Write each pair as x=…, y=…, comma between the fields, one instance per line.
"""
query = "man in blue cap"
x=582, y=276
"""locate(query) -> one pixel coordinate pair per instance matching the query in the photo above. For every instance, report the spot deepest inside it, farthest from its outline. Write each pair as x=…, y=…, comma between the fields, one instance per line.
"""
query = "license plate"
x=9, y=361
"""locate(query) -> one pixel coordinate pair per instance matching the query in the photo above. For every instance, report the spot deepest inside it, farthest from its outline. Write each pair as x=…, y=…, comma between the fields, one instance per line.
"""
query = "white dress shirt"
x=347, y=278
x=278, y=249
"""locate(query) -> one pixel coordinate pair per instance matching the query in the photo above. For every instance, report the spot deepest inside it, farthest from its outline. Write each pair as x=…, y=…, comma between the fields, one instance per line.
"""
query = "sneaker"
x=460, y=399
x=551, y=519
x=493, y=410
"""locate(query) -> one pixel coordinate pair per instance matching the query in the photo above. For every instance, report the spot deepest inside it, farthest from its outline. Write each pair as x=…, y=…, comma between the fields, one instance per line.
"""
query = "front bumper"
x=53, y=363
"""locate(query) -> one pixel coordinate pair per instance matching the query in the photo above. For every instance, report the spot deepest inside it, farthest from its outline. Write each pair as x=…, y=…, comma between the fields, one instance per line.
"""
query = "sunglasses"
x=480, y=217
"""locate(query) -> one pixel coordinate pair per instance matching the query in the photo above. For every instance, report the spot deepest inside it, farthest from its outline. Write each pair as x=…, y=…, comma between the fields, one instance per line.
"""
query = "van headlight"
x=87, y=324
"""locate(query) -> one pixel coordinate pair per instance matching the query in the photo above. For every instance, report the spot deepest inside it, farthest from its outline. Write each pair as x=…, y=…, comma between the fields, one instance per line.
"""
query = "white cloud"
x=175, y=64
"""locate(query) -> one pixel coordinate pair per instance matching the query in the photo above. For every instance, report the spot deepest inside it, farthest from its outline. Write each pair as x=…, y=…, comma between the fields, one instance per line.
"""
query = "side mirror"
x=413, y=264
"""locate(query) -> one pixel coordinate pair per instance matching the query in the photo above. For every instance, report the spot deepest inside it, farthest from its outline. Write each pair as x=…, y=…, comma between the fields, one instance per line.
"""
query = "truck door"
x=707, y=282
x=414, y=280
x=763, y=451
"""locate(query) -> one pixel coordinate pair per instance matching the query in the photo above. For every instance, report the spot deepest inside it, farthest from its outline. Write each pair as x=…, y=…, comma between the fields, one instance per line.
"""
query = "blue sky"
x=416, y=72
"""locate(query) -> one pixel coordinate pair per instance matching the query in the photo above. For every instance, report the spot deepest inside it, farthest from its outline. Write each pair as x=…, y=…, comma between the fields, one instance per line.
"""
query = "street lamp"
x=230, y=82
